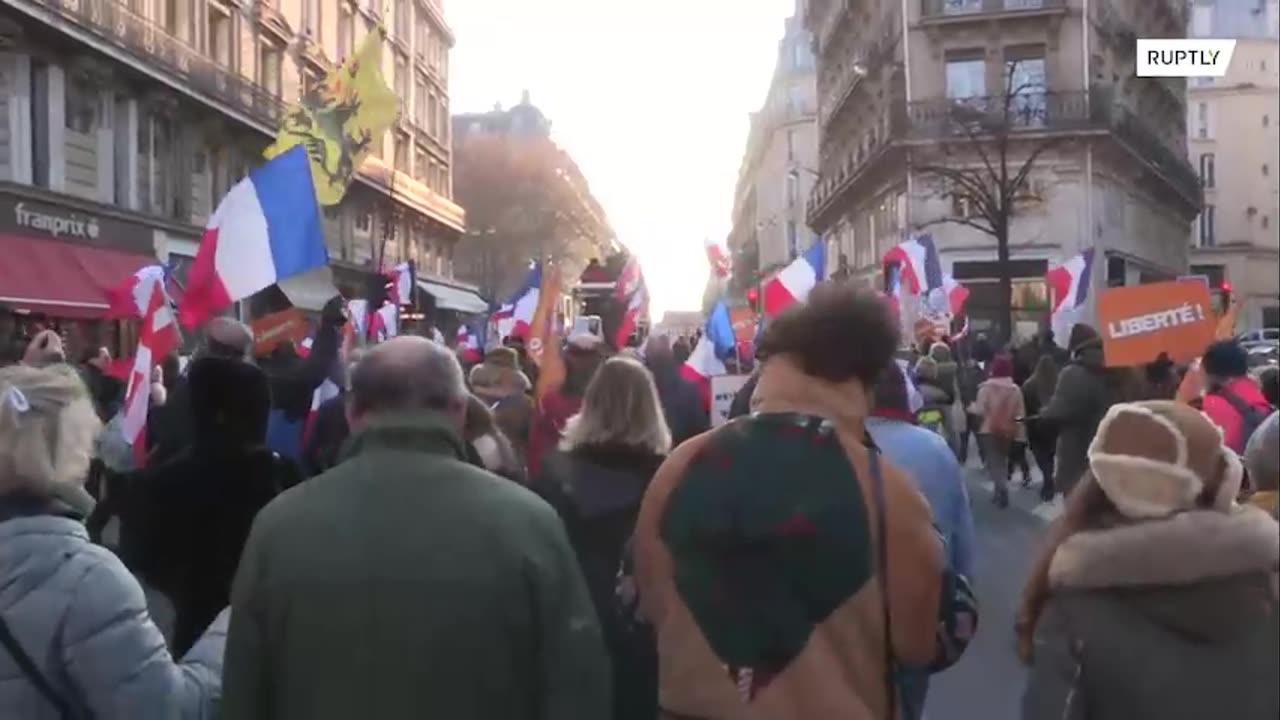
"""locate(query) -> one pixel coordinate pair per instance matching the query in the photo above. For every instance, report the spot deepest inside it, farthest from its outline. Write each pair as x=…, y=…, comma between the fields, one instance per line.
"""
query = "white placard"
x=723, y=390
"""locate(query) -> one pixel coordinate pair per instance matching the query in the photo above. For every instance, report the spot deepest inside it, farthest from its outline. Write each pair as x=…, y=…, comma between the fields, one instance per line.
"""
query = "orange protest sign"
x=1142, y=321
x=271, y=330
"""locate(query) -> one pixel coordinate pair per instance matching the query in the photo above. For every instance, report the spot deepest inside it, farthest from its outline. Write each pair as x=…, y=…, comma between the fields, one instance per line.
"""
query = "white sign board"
x=723, y=389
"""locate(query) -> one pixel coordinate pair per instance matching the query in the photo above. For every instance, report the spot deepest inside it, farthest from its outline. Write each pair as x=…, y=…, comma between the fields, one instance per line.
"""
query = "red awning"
x=61, y=279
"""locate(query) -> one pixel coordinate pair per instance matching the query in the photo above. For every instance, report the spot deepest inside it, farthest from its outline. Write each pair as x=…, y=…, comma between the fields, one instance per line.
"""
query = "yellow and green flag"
x=339, y=119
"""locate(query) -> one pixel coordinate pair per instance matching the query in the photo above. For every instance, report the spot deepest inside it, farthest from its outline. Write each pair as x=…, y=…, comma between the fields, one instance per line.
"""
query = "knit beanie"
x=1157, y=458
x=1082, y=335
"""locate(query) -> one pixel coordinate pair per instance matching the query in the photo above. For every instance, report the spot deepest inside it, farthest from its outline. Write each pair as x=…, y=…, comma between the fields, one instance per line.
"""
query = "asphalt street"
x=987, y=682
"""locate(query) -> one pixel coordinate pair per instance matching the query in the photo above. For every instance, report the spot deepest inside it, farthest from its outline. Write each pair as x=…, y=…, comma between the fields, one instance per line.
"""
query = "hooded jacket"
x=834, y=660
x=1173, y=619
x=597, y=490
x=82, y=618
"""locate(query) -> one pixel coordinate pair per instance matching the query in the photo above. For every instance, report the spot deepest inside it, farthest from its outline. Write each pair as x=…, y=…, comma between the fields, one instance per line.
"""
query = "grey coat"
x=1078, y=404
x=1172, y=619
x=83, y=620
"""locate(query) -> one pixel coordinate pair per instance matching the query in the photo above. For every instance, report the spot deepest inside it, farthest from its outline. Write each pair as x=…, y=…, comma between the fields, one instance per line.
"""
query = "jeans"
x=971, y=424
x=996, y=450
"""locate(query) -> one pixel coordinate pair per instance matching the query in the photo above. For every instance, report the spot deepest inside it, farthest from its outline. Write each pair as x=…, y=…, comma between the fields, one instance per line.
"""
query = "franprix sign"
x=33, y=218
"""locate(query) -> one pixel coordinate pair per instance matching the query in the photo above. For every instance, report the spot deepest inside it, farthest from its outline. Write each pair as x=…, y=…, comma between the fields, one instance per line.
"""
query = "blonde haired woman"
x=595, y=481
x=75, y=636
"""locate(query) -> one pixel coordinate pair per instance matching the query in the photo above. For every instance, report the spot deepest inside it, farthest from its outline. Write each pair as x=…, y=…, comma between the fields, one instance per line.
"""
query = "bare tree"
x=989, y=148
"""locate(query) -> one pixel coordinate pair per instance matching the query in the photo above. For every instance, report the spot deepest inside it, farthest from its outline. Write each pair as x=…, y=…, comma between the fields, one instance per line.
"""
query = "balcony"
x=962, y=10
x=152, y=46
x=880, y=50
x=943, y=118
x=983, y=119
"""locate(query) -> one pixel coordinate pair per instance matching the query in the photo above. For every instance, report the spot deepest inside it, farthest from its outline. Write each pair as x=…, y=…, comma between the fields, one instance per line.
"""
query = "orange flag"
x=544, y=334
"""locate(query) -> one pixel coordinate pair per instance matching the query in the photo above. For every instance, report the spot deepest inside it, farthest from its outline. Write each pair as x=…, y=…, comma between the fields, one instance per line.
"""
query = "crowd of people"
x=444, y=541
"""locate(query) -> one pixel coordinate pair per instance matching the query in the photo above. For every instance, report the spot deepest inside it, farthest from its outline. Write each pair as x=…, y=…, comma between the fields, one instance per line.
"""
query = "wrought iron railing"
x=116, y=23
x=940, y=118
x=960, y=8
x=984, y=118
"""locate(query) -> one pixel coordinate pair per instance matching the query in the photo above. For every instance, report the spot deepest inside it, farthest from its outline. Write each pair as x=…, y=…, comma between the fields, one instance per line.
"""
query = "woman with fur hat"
x=1156, y=595
x=500, y=384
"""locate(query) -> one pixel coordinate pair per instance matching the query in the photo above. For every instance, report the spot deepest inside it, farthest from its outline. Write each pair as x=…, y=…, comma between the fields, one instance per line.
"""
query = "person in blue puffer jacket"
x=76, y=640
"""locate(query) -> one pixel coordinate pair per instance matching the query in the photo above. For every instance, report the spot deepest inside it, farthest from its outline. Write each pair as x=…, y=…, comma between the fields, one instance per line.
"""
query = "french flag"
x=918, y=259
x=132, y=298
x=513, y=318
x=956, y=294
x=707, y=359
x=267, y=228
x=385, y=323
x=1070, y=282
x=326, y=391
x=717, y=258
x=468, y=345
x=796, y=280
x=401, y=277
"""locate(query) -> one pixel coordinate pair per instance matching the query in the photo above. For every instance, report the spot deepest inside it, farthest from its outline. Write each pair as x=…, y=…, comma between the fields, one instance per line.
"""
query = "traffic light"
x=753, y=298
x=1224, y=297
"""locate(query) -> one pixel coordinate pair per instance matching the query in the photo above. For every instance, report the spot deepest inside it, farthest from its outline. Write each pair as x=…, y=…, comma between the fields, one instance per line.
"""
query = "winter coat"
x=824, y=659
x=183, y=525
x=82, y=618
x=681, y=402
x=1173, y=619
x=1224, y=414
x=1000, y=395
x=597, y=493
x=505, y=389
x=1039, y=433
x=970, y=376
x=742, y=399
x=324, y=439
x=293, y=384
x=948, y=371
x=406, y=583
x=1079, y=402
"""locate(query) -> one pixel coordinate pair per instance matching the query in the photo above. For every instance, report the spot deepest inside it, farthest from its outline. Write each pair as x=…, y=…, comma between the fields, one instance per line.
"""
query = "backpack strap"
x=28, y=668
x=882, y=560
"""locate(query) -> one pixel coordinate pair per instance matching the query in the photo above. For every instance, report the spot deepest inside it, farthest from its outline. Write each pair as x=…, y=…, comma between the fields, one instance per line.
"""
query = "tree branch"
x=957, y=220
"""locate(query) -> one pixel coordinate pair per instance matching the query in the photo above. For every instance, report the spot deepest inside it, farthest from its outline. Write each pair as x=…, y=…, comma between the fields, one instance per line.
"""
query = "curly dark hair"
x=841, y=332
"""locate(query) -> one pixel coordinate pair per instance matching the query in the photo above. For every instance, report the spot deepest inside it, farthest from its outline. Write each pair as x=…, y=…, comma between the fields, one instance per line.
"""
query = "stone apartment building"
x=1233, y=139
x=894, y=74
x=136, y=116
x=779, y=165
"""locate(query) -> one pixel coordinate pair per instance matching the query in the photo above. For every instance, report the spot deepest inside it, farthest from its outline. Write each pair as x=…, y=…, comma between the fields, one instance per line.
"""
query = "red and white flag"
x=401, y=291
x=717, y=258
x=144, y=293
x=631, y=293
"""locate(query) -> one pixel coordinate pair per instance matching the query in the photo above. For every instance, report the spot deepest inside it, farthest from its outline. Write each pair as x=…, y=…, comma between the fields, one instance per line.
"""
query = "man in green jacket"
x=405, y=583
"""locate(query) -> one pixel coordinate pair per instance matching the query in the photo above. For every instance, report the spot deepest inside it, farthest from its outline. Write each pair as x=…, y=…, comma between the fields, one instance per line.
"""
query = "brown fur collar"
x=783, y=387
x=1179, y=550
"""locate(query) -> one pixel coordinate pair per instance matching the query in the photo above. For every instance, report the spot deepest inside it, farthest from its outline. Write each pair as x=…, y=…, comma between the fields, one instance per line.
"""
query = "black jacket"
x=183, y=525
x=681, y=402
x=324, y=440
x=597, y=493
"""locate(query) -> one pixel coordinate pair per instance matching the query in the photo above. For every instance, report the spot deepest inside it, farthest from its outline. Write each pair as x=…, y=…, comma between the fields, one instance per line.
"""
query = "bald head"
x=407, y=374
x=226, y=337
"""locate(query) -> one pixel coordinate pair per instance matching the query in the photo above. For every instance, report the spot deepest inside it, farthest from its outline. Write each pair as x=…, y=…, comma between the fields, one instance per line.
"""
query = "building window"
x=421, y=40
x=1266, y=170
x=1266, y=121
x=1207, y=170
x=269, y=66
x=1207, y=227
x=400, y=148
x=311, y=18
x=791, y=145
x=966, y=75
x=81, y=106
x=363, y=222
x=793, y=240
x=433, y=115
x=346, y=32
x=218, y=35
x=404, y=19
x=420, y=102
x=401, y=78
x=1266, y=222
x=444, y=120
x=421, y=165
x=1025, y=75
x=792, y=190
x=1202, y=120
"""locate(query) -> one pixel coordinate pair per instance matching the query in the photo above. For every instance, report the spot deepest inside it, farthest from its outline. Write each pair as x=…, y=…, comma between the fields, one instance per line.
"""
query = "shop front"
x=445, y=305
x=57, y=262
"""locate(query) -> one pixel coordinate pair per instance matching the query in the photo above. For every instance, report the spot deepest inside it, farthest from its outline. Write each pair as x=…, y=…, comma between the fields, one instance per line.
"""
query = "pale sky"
x=650, y=97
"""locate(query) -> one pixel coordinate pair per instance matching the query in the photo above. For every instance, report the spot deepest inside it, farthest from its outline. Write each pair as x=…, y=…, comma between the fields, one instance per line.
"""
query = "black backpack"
x=1251, y=417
